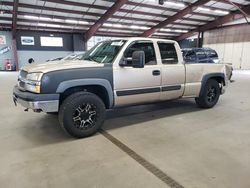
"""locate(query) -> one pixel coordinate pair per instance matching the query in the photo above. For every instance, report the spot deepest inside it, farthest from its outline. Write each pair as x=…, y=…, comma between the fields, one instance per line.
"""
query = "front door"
x=138, y=85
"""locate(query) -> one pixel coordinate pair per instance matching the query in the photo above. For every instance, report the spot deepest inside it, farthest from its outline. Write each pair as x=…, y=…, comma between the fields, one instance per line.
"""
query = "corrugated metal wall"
x=232, y=45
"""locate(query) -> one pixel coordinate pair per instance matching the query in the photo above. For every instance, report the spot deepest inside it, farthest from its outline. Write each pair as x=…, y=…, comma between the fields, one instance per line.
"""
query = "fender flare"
x=63, y=86
x=206, y=77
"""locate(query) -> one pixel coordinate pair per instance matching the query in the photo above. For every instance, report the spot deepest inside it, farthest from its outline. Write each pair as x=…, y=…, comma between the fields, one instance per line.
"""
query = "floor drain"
x=146, y=164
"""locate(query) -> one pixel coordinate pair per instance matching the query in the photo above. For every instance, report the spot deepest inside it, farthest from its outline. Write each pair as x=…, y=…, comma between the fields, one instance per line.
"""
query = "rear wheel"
x=210, y=95
x=82, y=114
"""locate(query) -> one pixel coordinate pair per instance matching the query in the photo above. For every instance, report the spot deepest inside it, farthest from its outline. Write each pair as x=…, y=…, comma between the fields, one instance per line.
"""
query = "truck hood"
x=60, y=65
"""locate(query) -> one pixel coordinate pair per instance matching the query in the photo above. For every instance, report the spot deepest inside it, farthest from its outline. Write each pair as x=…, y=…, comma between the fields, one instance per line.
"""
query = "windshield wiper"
x=90, y=59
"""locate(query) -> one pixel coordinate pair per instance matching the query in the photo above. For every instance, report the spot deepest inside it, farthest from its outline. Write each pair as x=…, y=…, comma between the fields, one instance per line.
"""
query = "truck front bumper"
x=36, y=102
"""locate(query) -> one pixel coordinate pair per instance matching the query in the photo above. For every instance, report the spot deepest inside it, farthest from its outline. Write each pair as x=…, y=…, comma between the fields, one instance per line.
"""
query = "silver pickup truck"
x=112, y=74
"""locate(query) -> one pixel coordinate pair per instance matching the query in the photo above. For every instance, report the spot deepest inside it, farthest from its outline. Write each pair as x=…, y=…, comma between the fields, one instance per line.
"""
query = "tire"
x=82, y=114
x=210, y=95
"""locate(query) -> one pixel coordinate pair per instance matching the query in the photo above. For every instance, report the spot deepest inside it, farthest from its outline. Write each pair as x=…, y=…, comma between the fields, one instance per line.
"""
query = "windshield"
x=103, y=52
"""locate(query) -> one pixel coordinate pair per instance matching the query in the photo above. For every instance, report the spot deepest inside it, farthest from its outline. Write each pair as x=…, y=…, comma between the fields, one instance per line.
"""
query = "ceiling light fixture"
x=83, y=22
x=117, y=25
x=71, y=21
x=144, y=28
x=44, y=18
x=180, y=31
x=41, y=24
x=167, y=30
x=107, y=25
x=56, y=20
x=203, y=9
x=134, y=27
x=174, y=4
x=31, y=17
x=221, y=12
x=53, y=25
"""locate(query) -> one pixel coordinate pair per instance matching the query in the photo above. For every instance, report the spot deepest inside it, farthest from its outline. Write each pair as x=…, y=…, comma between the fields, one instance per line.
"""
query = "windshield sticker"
x=117, y=43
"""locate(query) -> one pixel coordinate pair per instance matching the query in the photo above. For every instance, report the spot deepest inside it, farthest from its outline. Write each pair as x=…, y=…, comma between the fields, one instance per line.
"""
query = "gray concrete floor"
x=198, y=148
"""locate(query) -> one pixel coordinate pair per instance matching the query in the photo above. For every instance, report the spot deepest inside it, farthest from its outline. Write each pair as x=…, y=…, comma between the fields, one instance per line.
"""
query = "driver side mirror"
x=138, y=59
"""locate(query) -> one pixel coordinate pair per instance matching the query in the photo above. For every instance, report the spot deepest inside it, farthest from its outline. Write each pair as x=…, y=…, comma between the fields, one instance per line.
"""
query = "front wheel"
x=210, y=95
x=82, y=114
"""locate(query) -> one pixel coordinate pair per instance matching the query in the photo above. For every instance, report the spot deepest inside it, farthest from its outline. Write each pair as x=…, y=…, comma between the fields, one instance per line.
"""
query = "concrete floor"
x=197, y=148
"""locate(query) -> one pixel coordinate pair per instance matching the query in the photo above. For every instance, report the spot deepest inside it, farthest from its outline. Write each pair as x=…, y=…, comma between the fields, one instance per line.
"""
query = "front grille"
x=22, y=76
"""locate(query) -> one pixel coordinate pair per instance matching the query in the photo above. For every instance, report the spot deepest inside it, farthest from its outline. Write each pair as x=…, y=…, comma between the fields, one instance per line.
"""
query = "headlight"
x=32, y=82
x=32, y=88
x=36, y=76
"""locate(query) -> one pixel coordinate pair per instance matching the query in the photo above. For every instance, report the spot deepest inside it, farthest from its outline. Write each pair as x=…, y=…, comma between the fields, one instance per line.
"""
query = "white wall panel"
x=220, y=50
x=228, y=52
x=246, y=56
x=236, y=53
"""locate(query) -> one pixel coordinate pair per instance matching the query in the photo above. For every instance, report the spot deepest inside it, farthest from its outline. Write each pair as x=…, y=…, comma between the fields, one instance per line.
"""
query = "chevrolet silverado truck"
x=113, y=74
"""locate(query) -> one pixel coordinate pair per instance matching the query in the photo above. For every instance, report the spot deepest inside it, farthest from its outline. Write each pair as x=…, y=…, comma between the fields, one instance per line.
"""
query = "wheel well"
x=98, y=90
x=219, y=79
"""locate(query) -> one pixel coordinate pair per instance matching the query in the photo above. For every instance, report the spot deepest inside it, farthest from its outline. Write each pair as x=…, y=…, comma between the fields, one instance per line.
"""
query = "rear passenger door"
x=173, y=71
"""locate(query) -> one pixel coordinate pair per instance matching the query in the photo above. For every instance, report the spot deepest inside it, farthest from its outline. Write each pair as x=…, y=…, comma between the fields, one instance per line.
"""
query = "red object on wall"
x=8, y=64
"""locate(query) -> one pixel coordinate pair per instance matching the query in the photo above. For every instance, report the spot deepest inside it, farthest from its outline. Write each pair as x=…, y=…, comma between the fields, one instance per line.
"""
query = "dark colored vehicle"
x=200, y=55
x=204, y=55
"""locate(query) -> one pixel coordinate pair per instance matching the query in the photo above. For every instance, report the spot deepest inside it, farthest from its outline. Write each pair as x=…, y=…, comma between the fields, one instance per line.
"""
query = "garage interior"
x=168, y=144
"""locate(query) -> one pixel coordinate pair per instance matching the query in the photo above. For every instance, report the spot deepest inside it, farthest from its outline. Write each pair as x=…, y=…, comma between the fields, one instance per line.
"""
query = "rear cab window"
x=168, y=53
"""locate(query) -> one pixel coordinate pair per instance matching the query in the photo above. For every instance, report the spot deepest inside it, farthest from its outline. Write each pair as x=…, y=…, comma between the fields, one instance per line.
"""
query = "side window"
x=201, y=55
x=147, y=47
x=168, y=53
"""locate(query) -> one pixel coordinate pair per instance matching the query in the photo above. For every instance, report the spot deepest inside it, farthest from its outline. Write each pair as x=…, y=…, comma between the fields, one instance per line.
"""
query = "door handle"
x=156, y=72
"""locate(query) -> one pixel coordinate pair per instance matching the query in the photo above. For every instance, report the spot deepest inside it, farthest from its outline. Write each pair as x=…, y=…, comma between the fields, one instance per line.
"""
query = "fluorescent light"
x=165, y=29
x=221, y=12
x=31, y=17
x=107, y=24
x=174, y=4
x=83, y=22
x=203, y=9
x=143, y=27
x=53, y=25
x=180, y=31
x=134, y=27
x=71, y=21
x=41, y=24
x=56, y=20
x=117, y=25
x=44, y=18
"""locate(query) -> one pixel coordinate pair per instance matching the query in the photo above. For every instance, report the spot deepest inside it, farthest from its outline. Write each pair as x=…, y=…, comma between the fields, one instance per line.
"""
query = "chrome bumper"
x=36, y=102
x=45, y=106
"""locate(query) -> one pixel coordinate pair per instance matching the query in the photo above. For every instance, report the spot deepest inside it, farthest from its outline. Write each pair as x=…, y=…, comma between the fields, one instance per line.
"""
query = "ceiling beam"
x=14, y=18
x=219, y=22
x=115, y=7
x=179, y=15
